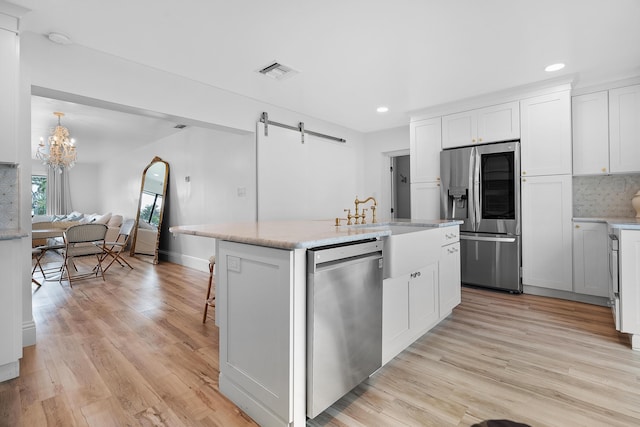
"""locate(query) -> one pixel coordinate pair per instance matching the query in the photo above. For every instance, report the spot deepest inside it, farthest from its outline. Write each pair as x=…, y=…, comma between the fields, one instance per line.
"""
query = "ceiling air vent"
x=180, y=126
x=277, y=71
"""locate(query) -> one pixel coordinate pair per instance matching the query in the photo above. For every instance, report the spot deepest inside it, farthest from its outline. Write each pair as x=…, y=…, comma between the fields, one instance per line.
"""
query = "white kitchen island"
x=261, y=306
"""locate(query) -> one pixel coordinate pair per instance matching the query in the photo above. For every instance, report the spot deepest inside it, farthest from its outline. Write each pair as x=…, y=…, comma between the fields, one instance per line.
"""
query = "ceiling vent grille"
x=180, y=126
x=277, y=71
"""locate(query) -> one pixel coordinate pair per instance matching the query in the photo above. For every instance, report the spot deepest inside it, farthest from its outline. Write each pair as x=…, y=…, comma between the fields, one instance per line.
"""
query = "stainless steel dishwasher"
x=344, y=320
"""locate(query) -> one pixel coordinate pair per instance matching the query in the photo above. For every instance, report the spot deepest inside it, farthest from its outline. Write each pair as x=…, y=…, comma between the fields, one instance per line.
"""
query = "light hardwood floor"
x=133, y=351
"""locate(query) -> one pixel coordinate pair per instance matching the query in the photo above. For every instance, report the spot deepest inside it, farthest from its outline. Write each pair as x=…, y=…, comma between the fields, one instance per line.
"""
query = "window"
x=151, y=204
x=38, y=195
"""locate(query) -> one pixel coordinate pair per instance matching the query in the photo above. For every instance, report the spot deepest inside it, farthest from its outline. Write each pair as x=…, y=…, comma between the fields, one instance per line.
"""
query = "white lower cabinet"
x=450, y=292
x=590, y=259
x=547, y=232
x=629, y=253
x=409, y=309
x=415, y=302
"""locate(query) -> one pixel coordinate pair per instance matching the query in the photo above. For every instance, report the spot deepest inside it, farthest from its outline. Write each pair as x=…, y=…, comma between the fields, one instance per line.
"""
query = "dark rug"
x=499, y=423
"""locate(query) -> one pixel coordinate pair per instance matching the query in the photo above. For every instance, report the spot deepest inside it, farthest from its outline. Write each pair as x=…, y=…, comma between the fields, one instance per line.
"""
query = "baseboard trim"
x=571, y=296
x=9, y=371
x=28, y=333
x=187, y=261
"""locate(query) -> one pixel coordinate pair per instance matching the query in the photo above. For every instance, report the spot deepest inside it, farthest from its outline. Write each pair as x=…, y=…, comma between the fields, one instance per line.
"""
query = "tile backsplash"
x=604, y=196
x=9, y=197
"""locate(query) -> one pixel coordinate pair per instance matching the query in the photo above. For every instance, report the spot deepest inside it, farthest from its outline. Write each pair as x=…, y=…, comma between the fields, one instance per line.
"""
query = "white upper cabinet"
x=491, y=124
x=425, y=140
x=624, y=129
x=425, y=200
x=590, y=119
x=545, y=125
x=8, y=88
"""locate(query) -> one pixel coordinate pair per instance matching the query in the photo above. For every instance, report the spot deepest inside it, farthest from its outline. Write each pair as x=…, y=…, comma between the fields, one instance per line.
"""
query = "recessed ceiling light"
x=59, y=38
x=554, y=67
x=382, y=109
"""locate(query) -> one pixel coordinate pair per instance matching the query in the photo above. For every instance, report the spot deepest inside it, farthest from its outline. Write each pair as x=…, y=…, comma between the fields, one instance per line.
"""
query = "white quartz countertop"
x=300, y=234
x=13, y=234
x=622, y=223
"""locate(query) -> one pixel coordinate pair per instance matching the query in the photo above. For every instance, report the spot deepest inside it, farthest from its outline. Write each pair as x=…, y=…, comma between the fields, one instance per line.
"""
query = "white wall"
x=217, y=164
x=94, y=75
x=378, y=147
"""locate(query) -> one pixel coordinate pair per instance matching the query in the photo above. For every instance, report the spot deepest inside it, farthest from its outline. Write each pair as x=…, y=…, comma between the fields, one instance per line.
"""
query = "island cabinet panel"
x=450, y=290
x=258, y=359
x=414, y=302
x=409, y=309
x=395, y=316
x=423, y=301
x=630, y=285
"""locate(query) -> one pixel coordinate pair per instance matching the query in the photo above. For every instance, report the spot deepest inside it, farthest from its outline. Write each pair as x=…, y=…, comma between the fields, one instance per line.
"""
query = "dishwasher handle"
x=347, y=262
x=327, y=254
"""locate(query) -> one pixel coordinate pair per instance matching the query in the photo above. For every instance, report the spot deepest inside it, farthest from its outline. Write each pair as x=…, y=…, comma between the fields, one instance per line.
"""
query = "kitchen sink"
x=410, y=248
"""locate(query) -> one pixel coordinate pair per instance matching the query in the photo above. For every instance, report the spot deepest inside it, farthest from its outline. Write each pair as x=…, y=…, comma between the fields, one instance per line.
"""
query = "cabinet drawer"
x=450, y=235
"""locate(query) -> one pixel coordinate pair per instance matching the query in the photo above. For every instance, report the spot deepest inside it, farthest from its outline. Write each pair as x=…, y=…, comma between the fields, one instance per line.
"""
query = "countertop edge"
x=622, y=223
x=346, y=234
x=13, y=234
x=282, y=244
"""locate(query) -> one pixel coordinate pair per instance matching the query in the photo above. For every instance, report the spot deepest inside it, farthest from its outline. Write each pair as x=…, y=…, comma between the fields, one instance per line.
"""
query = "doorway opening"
x=400, y=170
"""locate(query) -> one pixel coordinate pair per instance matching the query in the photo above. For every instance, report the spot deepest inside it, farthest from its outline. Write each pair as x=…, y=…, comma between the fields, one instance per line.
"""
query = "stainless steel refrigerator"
x=481, y=186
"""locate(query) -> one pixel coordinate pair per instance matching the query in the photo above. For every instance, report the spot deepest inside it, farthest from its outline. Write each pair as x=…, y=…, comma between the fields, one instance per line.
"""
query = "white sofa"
x=42, y=222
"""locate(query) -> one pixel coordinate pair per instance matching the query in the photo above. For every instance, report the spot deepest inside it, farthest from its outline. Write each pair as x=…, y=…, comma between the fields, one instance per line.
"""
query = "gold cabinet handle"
x=524, y=179
x=479, y=139
x=577, y=226
x=524, y=172
x=604, y=169
x=473, y=140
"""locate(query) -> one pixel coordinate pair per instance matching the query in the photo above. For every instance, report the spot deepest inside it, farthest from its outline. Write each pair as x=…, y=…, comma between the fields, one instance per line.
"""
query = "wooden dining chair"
x=210, y=299
x=116, y=249
x=82, y=240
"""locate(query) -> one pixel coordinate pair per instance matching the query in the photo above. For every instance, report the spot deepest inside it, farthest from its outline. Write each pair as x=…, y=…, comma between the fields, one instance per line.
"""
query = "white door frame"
x=388, y=192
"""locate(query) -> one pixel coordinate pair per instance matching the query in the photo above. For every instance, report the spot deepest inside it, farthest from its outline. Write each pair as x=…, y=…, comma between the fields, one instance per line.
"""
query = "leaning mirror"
x=151, y=204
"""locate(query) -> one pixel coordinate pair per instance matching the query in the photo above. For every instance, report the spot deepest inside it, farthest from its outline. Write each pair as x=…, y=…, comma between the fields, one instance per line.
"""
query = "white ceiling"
x=354, y=55
x=98, y=132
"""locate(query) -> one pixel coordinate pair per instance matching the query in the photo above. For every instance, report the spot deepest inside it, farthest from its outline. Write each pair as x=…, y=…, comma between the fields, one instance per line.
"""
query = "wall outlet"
x=233, y=263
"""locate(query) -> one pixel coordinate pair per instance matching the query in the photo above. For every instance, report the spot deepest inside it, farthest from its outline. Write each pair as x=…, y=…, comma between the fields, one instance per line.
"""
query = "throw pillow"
x=104, y=219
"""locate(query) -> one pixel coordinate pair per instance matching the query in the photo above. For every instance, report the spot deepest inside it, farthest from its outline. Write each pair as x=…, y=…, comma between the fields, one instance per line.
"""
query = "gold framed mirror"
x=151, y=204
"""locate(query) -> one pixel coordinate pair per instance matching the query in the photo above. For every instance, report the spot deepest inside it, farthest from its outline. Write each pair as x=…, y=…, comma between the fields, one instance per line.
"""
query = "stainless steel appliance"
x=344, y=320
x=481, y=186
x=614, y=274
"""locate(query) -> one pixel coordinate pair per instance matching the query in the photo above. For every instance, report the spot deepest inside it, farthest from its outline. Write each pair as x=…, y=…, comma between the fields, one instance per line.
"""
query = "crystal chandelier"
x=59, y=152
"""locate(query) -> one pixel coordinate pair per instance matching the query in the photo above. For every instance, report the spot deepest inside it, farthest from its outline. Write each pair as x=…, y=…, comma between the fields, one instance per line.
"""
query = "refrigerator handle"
x=471, y=202
x=477, y=189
